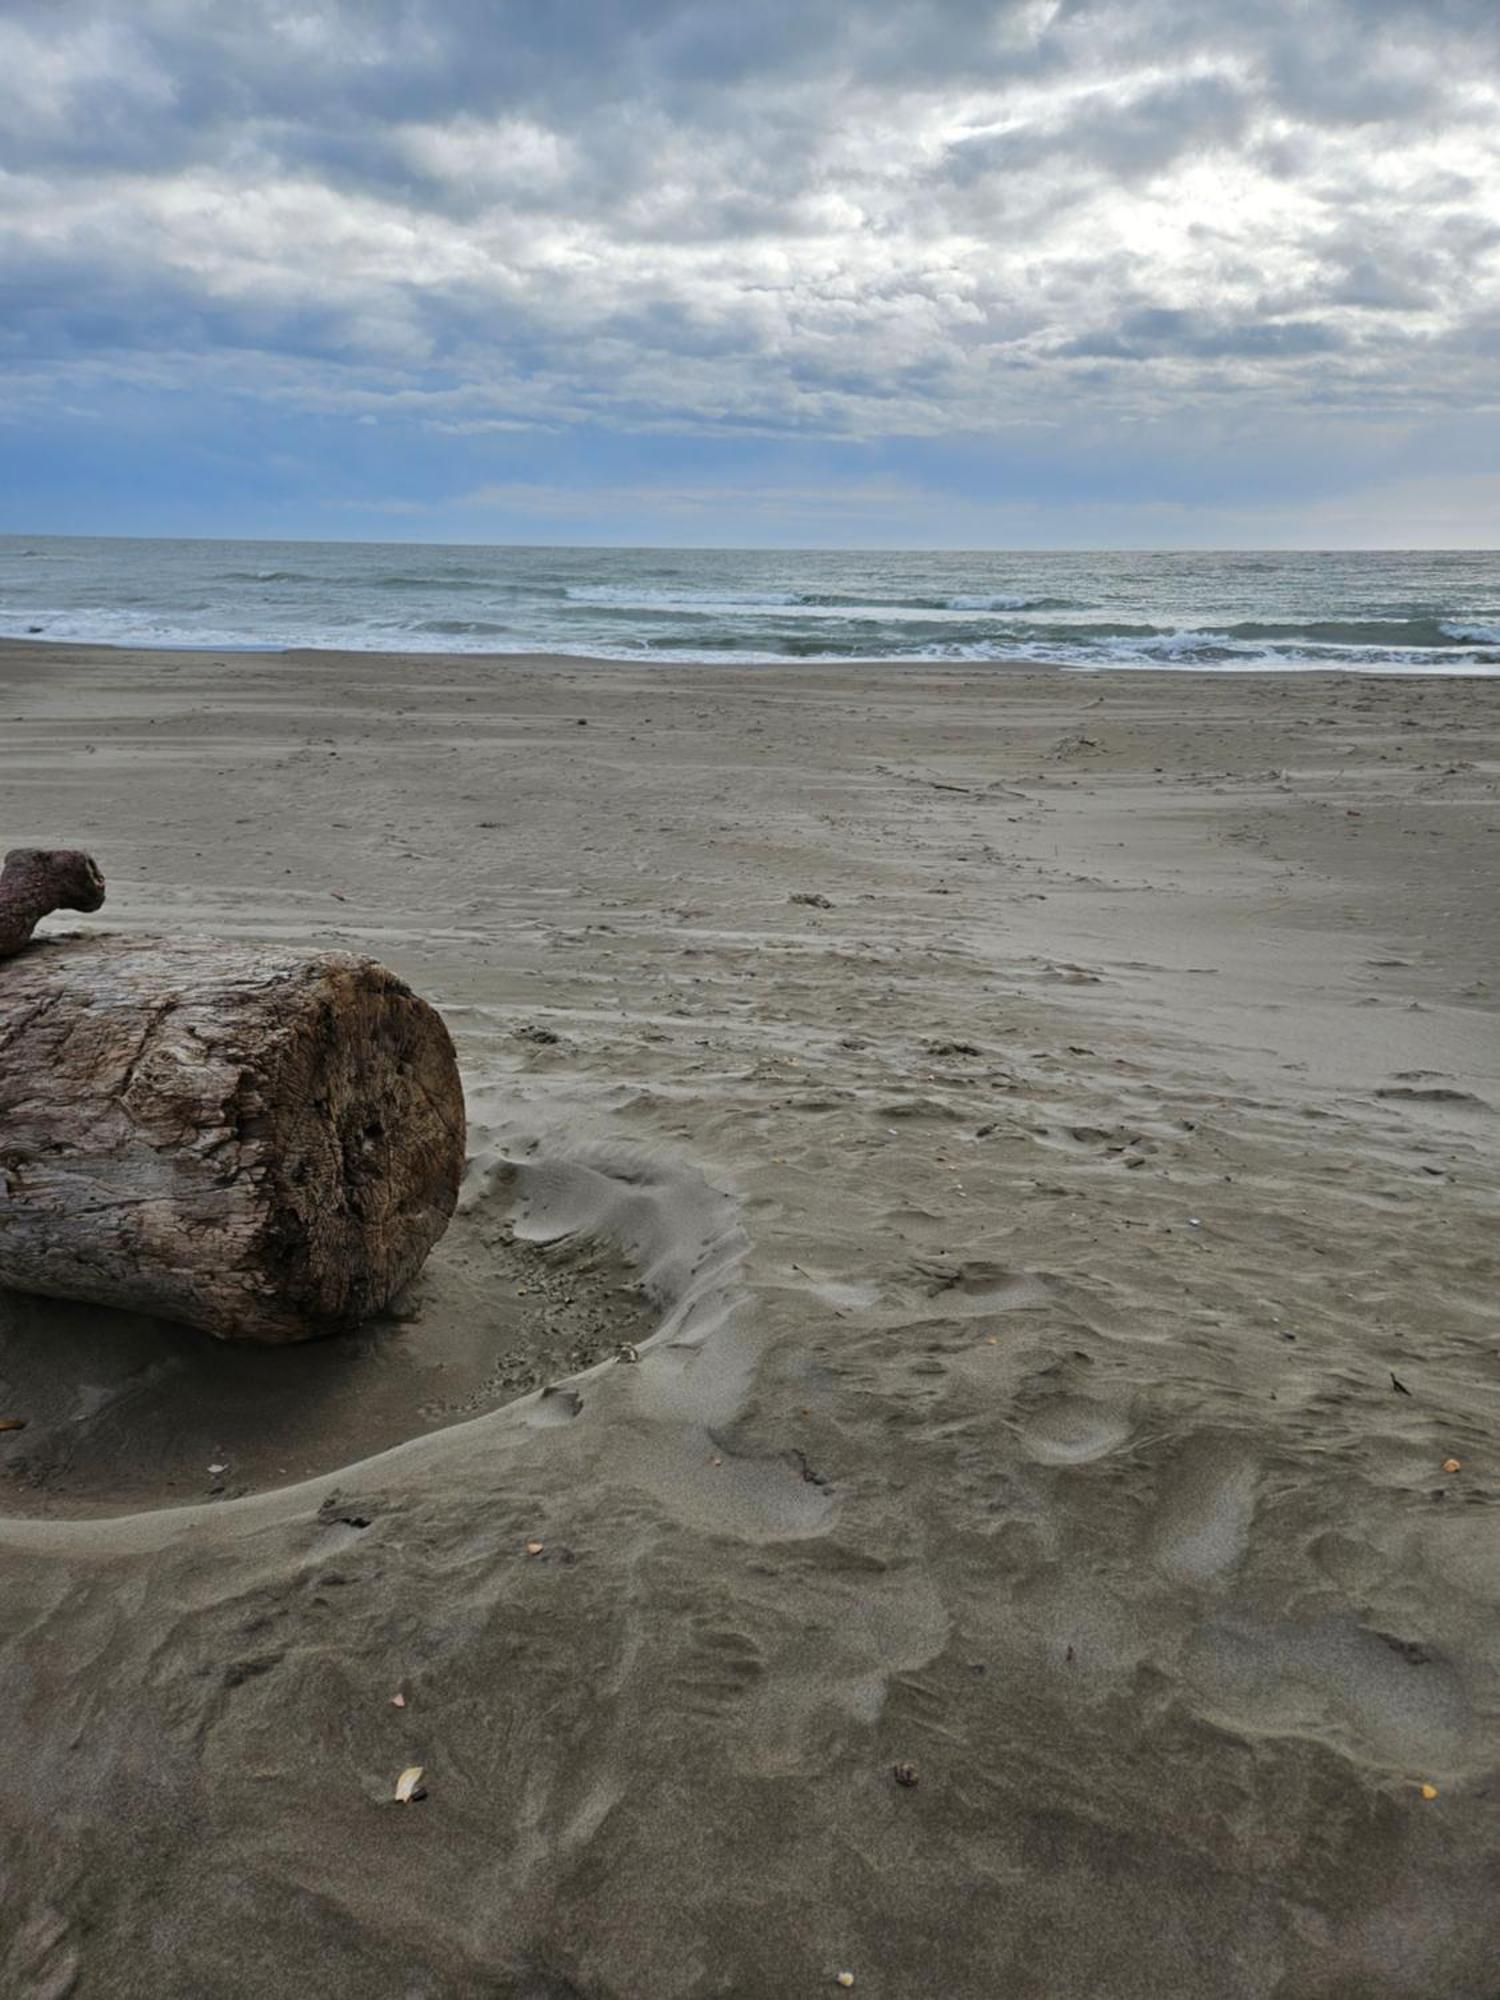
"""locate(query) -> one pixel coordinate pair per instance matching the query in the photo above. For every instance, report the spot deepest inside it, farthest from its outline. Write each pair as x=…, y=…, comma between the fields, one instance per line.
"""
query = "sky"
x=920, y=273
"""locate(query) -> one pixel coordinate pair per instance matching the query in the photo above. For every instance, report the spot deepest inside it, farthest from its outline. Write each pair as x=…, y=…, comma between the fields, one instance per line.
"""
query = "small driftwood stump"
x=262, y=1144
x=35, y=881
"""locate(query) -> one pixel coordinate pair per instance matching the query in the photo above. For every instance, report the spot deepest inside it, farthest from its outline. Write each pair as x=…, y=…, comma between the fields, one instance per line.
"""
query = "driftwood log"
x=262, y=1144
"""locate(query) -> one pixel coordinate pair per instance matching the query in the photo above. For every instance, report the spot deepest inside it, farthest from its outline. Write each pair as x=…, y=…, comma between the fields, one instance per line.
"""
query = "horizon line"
x=793, y=548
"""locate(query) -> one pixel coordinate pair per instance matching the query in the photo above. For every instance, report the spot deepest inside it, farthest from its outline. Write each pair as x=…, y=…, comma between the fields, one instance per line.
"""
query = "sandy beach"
x=978, y=1248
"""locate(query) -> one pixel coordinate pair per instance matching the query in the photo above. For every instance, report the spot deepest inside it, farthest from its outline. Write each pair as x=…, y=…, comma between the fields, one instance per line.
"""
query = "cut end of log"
x=364, y=1149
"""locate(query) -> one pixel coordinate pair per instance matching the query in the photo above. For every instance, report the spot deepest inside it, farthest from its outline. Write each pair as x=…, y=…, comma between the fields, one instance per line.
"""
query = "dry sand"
x=1028, y=1126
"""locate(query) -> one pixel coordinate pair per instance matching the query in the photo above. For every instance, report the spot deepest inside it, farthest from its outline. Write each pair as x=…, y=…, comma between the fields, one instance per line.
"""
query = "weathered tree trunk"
x=263, y=1144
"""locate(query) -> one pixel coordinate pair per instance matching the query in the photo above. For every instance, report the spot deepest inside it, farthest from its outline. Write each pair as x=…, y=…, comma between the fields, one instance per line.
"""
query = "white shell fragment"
x=407, y=1783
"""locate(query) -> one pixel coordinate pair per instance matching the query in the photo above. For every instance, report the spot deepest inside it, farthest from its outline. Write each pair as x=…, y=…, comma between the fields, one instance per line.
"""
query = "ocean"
x=1431, y=612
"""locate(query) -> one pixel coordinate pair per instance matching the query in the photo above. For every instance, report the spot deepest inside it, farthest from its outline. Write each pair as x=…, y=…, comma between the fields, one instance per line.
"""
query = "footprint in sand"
x=720, y=1666
x=1335, y=1678
x=978, y=1285
x=1201, y=1527
x=1072, y=1430
x=844, y=1295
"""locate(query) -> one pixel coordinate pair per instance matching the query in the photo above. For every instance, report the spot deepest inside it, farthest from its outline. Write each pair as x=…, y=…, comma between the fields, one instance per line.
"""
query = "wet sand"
x=979, y=1245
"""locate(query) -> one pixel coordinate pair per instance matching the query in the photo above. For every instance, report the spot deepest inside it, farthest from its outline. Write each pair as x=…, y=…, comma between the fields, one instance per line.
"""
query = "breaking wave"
x=1415, y=613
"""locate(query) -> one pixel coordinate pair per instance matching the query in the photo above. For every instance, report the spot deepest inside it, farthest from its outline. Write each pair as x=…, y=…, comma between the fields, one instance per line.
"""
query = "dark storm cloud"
x=1158, y=330
x=891, y=216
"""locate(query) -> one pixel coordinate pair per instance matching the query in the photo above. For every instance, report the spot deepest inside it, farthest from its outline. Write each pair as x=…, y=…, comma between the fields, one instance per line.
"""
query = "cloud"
x=1164, y=330
x=900, y=219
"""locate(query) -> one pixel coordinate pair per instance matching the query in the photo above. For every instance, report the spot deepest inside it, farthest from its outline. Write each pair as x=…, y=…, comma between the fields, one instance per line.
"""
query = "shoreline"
x=12, y=644
x=1055, y=1105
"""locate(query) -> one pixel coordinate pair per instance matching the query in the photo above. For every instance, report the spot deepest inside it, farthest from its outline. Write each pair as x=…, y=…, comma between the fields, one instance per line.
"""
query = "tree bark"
x=265, y=1145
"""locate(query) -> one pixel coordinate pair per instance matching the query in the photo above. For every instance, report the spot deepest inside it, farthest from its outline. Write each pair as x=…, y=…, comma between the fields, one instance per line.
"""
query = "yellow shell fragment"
x=407, y=1784
x=1428, y=1791
x=1453, y=1465
x=846, y=1979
